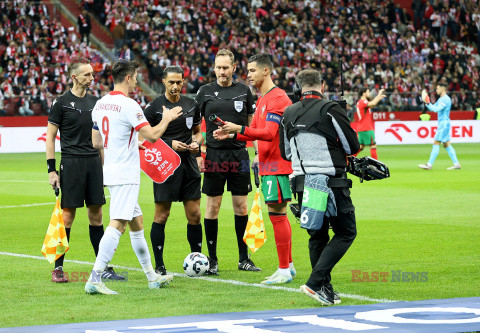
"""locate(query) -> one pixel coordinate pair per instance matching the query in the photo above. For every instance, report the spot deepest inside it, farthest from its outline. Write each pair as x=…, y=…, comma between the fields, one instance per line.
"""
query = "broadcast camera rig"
x=365, y=168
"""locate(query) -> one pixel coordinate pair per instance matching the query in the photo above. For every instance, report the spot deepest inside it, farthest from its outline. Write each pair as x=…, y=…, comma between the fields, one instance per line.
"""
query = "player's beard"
x=369, y=98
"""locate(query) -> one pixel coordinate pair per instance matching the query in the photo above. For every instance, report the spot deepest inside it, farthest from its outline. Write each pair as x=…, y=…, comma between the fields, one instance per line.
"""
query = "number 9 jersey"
x=118, y=118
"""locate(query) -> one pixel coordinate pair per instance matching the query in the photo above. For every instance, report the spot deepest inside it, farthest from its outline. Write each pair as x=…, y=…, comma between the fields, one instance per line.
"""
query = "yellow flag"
x=56, y=242
x=255, y=235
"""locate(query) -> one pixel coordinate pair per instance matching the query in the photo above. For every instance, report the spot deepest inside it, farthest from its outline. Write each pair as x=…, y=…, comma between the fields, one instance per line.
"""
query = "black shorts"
x=183, y=185
x=81, y=180
x=231, y=166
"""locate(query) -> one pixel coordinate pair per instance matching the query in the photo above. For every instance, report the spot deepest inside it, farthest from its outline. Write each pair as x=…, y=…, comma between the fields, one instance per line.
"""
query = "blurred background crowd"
x=382, y=44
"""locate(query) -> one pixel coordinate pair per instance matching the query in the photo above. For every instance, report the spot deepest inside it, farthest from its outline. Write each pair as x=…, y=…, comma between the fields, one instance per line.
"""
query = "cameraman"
x=316, y=136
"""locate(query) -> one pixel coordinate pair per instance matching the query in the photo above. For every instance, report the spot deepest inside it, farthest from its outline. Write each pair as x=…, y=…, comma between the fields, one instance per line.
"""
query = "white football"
x=196, y=264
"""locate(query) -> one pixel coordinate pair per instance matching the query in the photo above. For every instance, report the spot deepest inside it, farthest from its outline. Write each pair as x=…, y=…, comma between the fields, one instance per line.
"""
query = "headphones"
x=297, y=91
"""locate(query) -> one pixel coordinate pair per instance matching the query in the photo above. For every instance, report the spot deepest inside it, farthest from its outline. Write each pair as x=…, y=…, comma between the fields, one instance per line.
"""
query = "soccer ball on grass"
x=196, y=264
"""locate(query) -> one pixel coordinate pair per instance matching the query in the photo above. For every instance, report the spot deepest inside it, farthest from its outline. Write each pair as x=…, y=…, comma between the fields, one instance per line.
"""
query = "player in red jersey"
x=274, y=170
x=366, y=135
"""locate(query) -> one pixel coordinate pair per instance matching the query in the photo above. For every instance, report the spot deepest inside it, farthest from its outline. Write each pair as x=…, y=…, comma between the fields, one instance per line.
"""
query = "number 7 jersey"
x=118, y=118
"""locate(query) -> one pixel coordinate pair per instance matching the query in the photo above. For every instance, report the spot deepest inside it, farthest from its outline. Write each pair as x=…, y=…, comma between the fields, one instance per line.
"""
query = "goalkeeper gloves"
x=425, y=97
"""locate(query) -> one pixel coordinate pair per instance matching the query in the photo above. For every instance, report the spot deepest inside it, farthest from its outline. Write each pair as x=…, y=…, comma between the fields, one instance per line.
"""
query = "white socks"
x=140, y=247
x=106, y=250
x=108, y=246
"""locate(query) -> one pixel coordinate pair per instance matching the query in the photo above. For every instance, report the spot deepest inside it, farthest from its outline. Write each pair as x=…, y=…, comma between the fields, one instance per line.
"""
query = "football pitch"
x=418, y=238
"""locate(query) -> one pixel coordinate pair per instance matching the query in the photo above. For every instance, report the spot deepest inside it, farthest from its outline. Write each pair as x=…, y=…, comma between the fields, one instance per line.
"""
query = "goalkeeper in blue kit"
x=442, y=107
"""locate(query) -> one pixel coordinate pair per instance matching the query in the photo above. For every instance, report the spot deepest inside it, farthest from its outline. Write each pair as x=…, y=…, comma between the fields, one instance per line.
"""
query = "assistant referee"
x=184, y=136
x=81, y=176
x=226, y=161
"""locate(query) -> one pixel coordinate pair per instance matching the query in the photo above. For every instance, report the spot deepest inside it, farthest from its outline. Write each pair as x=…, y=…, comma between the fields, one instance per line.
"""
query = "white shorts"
x=124, y=202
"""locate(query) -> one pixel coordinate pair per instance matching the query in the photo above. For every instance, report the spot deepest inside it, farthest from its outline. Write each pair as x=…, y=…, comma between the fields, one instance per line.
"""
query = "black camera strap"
x=295, y=118
x=319, y=102
x=305, y=109
x=298, y=155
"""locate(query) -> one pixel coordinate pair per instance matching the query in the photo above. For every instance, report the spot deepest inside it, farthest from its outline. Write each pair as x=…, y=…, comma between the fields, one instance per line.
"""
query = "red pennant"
x=158, y=160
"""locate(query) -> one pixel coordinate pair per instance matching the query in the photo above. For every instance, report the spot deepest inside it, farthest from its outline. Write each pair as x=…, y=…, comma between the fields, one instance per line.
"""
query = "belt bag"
x=339, y=182
x=297, y=183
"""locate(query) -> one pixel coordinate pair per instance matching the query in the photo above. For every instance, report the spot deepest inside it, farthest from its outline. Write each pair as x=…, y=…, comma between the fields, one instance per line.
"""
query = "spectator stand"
x=385, y=48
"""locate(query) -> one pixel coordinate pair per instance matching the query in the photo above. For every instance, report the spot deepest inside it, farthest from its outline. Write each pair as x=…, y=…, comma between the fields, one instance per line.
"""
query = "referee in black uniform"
x=185, y=137
x=228, y=160
x=81, y=176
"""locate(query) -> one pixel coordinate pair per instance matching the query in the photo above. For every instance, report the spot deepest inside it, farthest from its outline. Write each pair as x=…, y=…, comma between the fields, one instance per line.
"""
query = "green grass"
x=415, y=221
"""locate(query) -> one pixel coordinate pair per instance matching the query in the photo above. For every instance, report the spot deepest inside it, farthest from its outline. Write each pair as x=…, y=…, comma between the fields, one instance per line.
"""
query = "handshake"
x=425, y=97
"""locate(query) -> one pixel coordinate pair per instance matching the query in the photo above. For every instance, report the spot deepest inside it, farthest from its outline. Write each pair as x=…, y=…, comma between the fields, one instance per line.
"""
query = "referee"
x=226, y=161
x=184, y=136
x=81, y=176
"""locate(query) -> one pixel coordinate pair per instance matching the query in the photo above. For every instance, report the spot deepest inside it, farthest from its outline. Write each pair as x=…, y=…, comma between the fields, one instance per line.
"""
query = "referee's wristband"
x=51, y=165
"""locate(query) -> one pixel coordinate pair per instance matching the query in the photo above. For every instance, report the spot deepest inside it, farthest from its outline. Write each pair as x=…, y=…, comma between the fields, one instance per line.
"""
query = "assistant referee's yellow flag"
x=255, y=235
x=56, y=242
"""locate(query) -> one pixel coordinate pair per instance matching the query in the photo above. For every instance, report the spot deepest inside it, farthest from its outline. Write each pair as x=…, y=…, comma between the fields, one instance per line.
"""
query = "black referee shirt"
x=73, y=116
x=234, y=103
x=179, y=129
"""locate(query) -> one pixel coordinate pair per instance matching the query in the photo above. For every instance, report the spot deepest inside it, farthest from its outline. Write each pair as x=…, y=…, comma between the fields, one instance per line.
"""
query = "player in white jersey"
x=116, y=121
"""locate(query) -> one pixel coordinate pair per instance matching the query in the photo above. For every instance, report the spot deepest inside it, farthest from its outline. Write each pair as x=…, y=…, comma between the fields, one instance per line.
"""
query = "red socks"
x=283, y=239
x=290, y=260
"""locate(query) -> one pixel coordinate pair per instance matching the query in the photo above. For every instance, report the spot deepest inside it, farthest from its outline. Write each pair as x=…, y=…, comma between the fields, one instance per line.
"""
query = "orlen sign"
x=414, y=132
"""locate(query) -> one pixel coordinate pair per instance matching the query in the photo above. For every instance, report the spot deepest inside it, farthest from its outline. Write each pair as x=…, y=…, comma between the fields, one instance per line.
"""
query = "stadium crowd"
x=382, y=46
x=34, y=51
